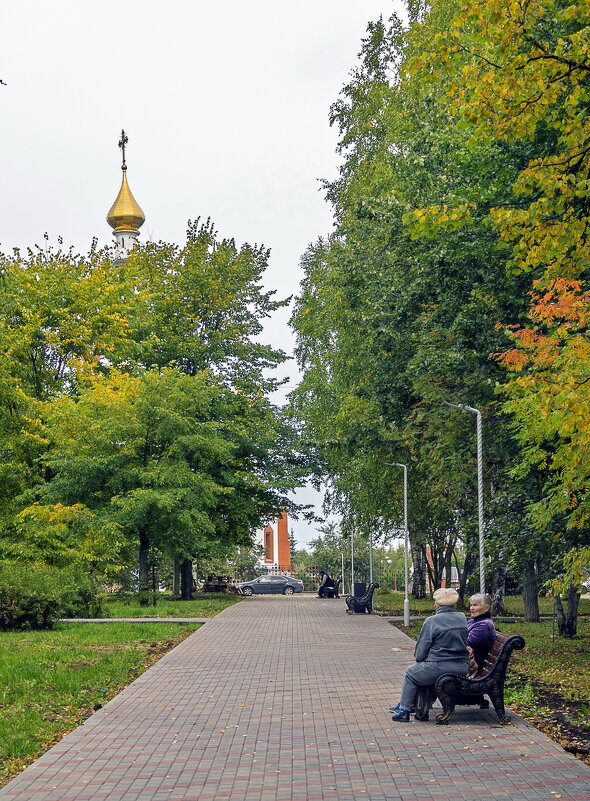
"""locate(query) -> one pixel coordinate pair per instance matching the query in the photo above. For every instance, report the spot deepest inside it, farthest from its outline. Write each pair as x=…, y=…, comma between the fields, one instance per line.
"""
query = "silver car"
x=271, y=584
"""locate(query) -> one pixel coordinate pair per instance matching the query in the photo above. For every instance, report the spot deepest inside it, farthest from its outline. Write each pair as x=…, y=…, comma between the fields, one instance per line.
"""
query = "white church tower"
x=125, y=216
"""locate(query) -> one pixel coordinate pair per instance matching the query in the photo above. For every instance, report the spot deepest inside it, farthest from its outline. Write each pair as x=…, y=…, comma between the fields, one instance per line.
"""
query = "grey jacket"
x=443, y=637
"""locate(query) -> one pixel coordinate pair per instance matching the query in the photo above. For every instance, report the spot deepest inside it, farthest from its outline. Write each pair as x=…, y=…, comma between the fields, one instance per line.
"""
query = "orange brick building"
x=275, y=541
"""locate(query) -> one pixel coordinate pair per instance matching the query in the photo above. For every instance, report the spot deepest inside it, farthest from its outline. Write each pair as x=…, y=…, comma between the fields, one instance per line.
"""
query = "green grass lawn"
x=554, y=660
x=549, y=682
x=390, y=602
x=204, y=605
x=50, y=681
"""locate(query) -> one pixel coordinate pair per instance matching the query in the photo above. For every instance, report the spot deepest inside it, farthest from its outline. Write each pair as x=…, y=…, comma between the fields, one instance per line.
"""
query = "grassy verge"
x=554, y=660
x=389, y=602
x=204, y=605
x=549, y=683
x=50, y=681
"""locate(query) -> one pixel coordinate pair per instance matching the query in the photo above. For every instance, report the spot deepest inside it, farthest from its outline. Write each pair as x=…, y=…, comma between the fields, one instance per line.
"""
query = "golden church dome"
x=125, y=213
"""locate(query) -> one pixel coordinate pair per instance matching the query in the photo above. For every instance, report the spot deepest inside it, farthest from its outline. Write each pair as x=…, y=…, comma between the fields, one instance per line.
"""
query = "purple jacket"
x=481, y=633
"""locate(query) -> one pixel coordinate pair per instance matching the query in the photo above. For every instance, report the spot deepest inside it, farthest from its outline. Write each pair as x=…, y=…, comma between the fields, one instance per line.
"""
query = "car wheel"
x=288, y=591
x=247, y=591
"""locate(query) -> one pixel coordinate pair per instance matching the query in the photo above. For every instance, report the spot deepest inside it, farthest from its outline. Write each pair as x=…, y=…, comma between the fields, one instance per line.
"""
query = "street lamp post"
x=477, y=413
x=352, y=561
x=406, y=571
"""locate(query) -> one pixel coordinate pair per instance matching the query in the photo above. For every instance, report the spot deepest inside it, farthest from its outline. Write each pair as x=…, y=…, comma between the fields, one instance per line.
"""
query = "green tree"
x=60, y=314
x=519, y=74
x=397, y=315
x=202, y=306
x=177, y=463
x=115, y=351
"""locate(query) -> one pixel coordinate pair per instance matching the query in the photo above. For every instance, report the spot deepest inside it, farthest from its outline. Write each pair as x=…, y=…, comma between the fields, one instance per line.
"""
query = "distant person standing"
x=325, y=581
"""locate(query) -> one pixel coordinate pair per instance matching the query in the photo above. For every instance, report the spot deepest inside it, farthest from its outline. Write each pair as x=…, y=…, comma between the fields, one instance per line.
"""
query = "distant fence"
x=386, y=579
x=310, y=577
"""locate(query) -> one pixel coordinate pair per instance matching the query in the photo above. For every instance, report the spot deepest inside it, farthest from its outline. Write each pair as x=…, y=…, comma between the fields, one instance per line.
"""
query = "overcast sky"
x=225, y=105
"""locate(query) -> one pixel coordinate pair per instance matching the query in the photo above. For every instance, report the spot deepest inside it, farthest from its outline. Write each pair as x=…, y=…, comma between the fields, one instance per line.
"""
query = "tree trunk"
x=186, y=580
x=530, y=593
x=464, y=575
x=567, y=625
x=434, y=572
x=449, y=563
x=144, y=568
x=176, y=577
x=418, y=576
x=430, y=573
x=498, y=590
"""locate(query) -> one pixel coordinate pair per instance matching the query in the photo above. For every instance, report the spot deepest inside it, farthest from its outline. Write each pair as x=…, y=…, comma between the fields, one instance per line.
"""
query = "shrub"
x=83, y=598
x=35, y=595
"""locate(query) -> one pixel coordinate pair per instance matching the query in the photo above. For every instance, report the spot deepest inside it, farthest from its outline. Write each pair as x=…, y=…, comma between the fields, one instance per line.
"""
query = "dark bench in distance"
x=361, y=605
x=452, y=690
x=332, y=592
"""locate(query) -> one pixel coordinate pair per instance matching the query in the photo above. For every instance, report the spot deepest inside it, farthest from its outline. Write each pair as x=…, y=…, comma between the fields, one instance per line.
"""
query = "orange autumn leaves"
x=549, y=395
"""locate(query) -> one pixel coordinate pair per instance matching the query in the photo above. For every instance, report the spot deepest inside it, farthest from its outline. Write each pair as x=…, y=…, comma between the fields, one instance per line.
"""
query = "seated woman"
x=326, y=582
x=481, y=631
x=441, y=648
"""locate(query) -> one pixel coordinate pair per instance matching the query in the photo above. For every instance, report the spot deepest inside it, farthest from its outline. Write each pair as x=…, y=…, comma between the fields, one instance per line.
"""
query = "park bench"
x=363, y=604
x=216, y=584
x=452, y=690
x=332, y=592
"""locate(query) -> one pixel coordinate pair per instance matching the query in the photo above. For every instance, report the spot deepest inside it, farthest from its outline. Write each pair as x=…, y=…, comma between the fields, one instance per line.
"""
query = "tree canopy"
x=135, y=408
x=465, y=158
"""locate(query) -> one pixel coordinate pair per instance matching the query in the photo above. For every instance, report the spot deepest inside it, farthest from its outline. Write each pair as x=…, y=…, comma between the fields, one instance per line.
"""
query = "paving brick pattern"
x=284, y=699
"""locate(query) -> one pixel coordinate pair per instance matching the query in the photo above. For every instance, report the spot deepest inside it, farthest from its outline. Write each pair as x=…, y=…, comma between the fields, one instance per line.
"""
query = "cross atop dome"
x=125, y=216
x=122, y=142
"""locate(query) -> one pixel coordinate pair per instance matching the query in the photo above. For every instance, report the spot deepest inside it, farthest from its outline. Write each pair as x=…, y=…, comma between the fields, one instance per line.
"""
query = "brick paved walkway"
x=284, y=699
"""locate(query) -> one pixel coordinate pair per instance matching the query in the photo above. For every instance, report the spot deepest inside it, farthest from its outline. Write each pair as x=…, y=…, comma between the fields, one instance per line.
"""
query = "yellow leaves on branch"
x=515, y=70
x=438, y=219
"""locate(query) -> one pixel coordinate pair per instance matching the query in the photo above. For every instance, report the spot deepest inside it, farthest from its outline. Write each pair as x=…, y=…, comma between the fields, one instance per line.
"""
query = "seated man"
x=326, y=581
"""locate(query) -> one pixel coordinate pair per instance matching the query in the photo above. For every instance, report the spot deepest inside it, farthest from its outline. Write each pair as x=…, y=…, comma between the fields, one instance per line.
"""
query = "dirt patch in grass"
x=140, y=645
x=566, y=722
x=80, y=664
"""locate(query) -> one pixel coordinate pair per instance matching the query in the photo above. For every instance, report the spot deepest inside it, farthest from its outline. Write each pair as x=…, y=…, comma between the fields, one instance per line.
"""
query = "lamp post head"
x=463, y=406
x=454, y=405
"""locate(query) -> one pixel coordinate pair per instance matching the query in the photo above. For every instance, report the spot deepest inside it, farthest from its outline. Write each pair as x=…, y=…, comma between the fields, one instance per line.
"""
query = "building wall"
x=268, y=544
x=284, y=546
x=274, y=539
